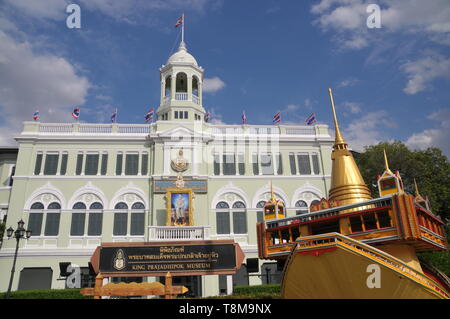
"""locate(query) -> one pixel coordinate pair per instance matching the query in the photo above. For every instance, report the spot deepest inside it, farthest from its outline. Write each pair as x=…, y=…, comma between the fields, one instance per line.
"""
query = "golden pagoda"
x=347, y=184
x=353, y=246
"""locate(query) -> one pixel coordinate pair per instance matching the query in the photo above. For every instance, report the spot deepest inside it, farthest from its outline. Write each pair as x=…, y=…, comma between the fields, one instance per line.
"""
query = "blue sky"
x=391, y=83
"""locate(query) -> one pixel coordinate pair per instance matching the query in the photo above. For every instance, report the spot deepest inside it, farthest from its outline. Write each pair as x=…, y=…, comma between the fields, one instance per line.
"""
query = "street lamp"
x=20, y=233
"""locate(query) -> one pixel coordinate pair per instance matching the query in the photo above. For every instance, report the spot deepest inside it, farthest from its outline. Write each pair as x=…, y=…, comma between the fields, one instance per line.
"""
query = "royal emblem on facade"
x=179, y=183
x=119, y=260
x=179, y=164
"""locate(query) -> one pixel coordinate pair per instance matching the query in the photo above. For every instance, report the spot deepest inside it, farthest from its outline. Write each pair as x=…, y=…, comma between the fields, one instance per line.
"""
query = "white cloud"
x=347, y=82
x=30, y=81
x=348, y=19
x=367, y=130
x=129, y=11
x=437, y=137
x=42, y=9
x=212, y=85
x=424, y=70
x=353, y=107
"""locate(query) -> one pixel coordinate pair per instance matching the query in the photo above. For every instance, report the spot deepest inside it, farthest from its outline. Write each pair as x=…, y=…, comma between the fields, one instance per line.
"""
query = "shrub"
x=47, y=294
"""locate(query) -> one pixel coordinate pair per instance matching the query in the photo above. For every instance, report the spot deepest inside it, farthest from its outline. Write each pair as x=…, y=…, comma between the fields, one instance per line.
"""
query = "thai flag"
x=244, y=118
x=36, y=116
x=277, y=117
x=149, y=115
x=180, y=21
x=207, y=117
x=311, y=119
x=114, y=116
x=76, y=113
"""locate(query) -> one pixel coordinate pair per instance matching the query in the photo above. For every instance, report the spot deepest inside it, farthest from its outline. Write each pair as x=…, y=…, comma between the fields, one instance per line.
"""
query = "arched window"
x=222, y=205
x=121, y=205
x=54, y=206
x=260, y=213
x=239, y=205
x=96, y=205
x=52, y=219
x=195, y=85
x=120, y=227
x=181, y=83
x=302, y=207
x=79, y=205
x=239, y=218
x=37, y=205
x=168, y=86
x=35, y=219
x=222, y=218
x=137, y=219
x=95, y=219
x=138, y=206
x=78, y=219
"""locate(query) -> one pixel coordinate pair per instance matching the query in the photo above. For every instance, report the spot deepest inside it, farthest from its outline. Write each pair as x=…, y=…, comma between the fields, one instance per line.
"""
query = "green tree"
x=429, y=167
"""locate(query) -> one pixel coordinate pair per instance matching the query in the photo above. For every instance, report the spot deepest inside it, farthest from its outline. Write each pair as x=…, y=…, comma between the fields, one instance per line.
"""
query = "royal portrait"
x=179, y=208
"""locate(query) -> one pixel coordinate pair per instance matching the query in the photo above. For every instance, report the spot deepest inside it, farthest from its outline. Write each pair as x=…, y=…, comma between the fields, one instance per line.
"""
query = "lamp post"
x=19, y=233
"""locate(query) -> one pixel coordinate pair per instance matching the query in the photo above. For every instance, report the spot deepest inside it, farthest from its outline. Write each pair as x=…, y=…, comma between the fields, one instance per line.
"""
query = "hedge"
x=46, y=294
x=259, y=291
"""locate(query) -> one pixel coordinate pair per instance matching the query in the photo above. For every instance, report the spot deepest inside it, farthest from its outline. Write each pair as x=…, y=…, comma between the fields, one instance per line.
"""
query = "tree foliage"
x=429, y=167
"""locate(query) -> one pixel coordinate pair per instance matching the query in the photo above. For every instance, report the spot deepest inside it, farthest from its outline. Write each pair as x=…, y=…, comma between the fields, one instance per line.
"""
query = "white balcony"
x=175, y=233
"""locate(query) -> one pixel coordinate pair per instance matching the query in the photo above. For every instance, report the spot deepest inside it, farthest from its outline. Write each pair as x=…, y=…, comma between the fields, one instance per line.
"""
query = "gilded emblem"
x=119, y=260
x=179, y=164
x=180, y=181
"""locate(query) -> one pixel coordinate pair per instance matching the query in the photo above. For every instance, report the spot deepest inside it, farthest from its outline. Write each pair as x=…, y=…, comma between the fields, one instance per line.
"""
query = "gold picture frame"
x=179, y=207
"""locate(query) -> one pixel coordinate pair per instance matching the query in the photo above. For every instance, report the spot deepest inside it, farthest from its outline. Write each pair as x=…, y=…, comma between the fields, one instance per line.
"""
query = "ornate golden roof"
x=347, y=184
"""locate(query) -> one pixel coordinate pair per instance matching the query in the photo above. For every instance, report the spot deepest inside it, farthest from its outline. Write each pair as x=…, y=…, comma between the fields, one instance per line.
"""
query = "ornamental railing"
x=174, y=233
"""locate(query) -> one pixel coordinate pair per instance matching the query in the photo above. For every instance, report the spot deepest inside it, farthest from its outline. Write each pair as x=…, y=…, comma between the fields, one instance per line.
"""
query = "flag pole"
x=182, y=30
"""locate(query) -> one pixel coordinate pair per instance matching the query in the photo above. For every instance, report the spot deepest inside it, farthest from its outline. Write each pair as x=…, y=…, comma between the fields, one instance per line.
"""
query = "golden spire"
x=347, y=184
x=386, y=165
x=339, y=140
x=418, y=196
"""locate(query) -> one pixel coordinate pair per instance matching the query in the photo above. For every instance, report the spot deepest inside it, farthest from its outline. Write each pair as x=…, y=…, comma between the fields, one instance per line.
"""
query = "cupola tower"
x=181, y=88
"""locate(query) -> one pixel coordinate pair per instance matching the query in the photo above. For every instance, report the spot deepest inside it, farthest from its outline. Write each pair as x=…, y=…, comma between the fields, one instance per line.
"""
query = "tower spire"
x=347, y=184
x=339, y=140
x=386, y=165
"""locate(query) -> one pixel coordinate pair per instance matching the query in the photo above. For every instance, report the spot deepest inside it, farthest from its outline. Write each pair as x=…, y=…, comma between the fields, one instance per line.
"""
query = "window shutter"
x=304, y=166
x=137, y=224
x=52, y=224
x=77, y=226
x=95, y=224
x=315, y=161
x=120, y=224
x=37, y=167
x=91, y=166
x=79, y=164
x=131, y=164
x=51, y=164
x=144, y=164
x=35, y=223
x=63, y=169
x=119, y=164
x=104, y=163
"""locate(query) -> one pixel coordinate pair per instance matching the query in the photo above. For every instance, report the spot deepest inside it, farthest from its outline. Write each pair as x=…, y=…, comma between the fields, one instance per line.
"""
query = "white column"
x=173, y=86
x=229, y=284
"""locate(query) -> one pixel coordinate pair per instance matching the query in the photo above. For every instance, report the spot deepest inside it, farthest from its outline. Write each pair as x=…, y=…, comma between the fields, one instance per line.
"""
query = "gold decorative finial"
x=339, y=140
x=416, y=188
x=386, y=165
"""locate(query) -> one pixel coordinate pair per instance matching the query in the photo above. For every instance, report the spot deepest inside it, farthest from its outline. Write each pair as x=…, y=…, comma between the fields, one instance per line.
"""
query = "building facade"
x=77, y=185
